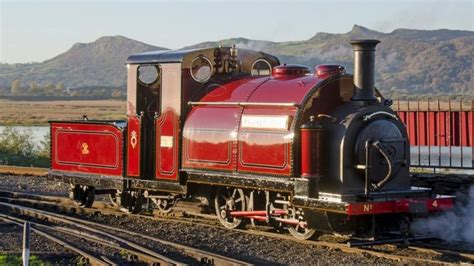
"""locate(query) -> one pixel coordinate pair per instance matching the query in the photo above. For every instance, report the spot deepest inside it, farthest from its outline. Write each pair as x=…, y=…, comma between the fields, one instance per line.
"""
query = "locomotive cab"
x=160, y=86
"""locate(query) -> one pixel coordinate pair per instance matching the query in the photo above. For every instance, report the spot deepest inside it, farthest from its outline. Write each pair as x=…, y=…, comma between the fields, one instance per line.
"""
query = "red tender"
x=87, y=148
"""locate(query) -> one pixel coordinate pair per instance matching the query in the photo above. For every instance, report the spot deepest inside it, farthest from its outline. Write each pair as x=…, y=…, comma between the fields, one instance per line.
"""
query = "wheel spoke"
x=223, y=197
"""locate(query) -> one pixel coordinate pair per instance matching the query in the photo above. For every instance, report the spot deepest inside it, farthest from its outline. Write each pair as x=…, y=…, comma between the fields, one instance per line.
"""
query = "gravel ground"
x=33, y=184
x=254, y=249
x=44, y=249
x=251, y=248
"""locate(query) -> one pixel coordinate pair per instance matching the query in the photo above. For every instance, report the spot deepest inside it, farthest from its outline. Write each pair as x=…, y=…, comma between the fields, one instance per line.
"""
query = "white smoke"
x=336, y=52
x=253, y=45
x=454, y=225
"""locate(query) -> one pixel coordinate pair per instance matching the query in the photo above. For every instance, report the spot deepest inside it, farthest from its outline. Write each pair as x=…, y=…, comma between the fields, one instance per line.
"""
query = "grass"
x=36, y=113
x=16, y=260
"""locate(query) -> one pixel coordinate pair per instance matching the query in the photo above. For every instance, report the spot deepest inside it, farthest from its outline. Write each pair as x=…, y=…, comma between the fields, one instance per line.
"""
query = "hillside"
x=100, y=63
x=408, y=61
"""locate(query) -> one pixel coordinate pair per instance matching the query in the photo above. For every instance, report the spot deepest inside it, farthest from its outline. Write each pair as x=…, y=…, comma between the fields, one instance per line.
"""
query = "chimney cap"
x=368, y=44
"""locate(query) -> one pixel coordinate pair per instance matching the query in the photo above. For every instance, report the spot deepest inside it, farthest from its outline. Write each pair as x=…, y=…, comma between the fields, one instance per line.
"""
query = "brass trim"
x=245, y=104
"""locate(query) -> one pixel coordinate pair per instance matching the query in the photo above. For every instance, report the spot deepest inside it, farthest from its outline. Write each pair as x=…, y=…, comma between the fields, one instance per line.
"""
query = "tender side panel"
x=87, y=148
x=210, y=137
x=134, y=146
x=265, y=144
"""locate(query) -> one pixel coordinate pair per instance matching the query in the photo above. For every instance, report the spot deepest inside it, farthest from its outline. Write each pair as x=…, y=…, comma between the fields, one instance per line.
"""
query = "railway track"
x=100, y=234
x=413, y=254
x=190, y=217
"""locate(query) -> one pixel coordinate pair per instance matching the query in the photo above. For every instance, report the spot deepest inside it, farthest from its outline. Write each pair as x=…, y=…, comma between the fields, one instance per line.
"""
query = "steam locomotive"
x=256, y=140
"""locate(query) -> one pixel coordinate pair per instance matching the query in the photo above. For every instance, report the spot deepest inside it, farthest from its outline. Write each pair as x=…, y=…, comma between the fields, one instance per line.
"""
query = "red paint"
x=266, y=151
x=398, y=206
x=209, y=143
x=292, y=222
x=87, y=148
x=167, y=145
x=211, y=146
x=257, y=213
x=262, y=216
x=213, y=138
x=311, y=150
x=289, y=71
x=284, y=90
x=325, y=71
x=133, y=146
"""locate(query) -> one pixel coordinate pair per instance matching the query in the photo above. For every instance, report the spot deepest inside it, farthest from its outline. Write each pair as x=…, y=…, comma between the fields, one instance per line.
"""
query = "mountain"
x=98, y=63
x=408, y=61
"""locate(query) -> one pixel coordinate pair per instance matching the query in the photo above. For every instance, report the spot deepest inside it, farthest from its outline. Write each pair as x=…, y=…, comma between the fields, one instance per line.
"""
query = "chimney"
x=364, y=70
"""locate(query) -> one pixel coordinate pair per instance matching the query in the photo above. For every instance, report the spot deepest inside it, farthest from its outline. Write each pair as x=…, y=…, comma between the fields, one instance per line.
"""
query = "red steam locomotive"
x=255, y=140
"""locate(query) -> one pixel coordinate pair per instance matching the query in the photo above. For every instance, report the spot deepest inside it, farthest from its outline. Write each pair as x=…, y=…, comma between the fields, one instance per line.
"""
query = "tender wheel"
x=132, y=201
x=76, y=192
x=299, y=231
x=115, y=198
x=227, y=200
x=88, y=197
x=84, y=195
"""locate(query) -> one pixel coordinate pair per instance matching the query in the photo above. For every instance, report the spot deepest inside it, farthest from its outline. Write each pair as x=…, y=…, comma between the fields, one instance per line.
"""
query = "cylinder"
x=312, y=155
x=364, y=70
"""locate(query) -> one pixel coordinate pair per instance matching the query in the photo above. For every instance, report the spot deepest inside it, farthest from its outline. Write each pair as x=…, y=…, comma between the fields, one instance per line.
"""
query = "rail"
x=37, y=209
x=440, y=131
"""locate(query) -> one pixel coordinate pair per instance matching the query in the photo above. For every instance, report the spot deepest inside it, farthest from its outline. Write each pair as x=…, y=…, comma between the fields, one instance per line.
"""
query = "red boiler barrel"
x=312, y=155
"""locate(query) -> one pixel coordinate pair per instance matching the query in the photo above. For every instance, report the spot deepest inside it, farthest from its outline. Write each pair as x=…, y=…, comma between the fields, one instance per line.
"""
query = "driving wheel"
x=226, y=201
x=301, y=230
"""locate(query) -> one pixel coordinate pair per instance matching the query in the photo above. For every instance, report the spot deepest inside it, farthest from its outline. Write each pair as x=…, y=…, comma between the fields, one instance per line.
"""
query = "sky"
x=33, y=31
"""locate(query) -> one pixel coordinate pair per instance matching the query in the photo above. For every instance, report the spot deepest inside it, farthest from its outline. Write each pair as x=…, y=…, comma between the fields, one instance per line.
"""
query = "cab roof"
x=160, y=56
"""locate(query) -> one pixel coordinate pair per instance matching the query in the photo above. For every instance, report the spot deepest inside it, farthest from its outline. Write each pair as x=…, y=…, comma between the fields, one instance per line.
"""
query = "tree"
x=17, y=148
x=49, y=89
x=34, y=89
x=59, y=88
x=15, y=87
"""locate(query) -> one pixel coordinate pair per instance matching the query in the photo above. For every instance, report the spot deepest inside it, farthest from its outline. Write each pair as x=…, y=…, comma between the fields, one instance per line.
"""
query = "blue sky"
x=38, y=30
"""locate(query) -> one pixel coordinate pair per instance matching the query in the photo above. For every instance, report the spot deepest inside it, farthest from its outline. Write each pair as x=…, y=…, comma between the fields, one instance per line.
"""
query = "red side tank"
x=252, y=125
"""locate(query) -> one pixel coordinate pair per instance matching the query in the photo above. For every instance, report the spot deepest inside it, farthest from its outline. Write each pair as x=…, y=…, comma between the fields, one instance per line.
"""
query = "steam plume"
x=454, y=225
